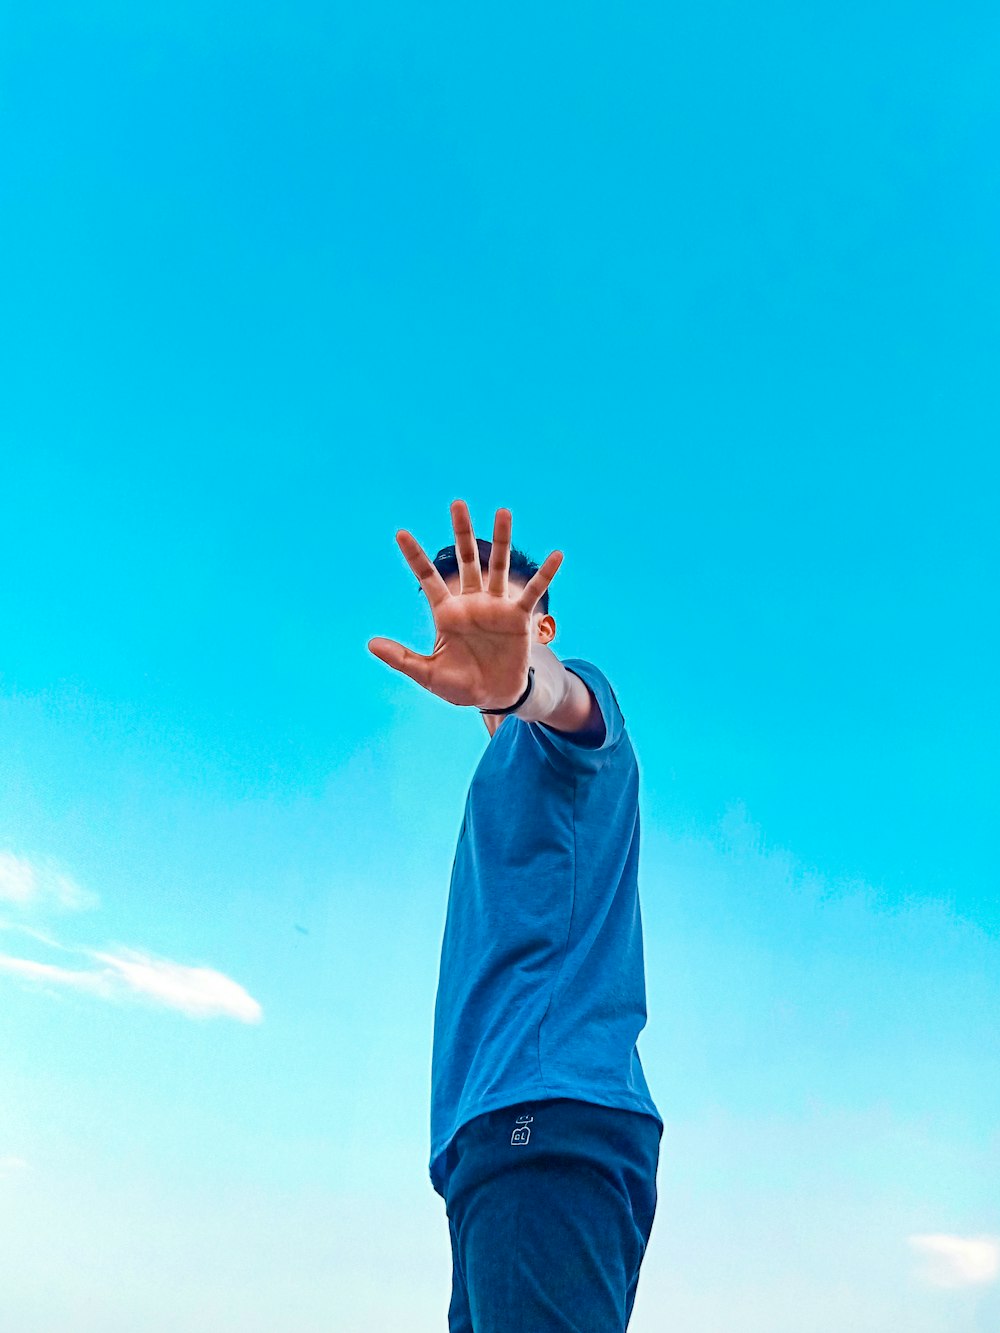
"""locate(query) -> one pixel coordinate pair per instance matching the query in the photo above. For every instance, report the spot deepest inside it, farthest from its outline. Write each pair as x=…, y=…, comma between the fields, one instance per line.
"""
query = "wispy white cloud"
x=115, y=974
x=20, y=928
x=61, y=976
x=12, y=1166
x=30, y=882
x=958, y=1261
x=198, y=992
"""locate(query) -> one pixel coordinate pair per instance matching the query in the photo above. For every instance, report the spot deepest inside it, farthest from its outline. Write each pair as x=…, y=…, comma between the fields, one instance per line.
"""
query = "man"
x=544, y=1138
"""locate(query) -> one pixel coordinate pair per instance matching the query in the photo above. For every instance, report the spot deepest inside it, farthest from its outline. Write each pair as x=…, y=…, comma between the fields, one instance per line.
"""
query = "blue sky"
x=707, y=296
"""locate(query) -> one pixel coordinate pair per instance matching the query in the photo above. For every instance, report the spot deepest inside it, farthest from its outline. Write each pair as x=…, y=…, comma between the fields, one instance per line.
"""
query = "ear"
x=546, y=628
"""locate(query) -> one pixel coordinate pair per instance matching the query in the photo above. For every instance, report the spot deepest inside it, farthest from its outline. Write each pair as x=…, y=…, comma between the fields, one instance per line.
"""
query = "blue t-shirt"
x=542, y=989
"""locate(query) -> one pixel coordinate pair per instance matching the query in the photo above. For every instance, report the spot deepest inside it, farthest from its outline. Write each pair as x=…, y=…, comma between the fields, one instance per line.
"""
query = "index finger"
x=428, y=575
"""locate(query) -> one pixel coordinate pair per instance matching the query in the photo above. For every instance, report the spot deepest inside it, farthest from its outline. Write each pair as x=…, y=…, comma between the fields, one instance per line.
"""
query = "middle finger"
x=469, y=570
x=500, y=554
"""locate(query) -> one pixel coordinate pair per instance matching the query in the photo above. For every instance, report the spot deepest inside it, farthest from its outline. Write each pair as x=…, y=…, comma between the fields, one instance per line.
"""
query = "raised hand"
x=482, y=648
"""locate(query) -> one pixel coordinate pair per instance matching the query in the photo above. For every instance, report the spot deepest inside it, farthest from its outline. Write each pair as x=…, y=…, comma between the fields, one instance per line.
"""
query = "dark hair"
x=522, y=568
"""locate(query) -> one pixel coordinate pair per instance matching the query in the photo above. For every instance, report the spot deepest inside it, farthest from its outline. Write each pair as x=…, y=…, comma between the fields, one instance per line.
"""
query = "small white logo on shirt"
x=522, y=1134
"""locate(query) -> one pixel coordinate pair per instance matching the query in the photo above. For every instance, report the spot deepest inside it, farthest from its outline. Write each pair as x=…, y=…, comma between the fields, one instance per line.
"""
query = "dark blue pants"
x=550, y=1205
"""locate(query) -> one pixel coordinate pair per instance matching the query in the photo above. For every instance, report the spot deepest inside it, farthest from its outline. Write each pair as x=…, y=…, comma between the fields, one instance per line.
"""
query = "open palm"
x=482, y=646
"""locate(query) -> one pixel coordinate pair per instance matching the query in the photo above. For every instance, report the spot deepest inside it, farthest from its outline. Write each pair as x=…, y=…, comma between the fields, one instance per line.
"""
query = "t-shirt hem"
x=615, y=1099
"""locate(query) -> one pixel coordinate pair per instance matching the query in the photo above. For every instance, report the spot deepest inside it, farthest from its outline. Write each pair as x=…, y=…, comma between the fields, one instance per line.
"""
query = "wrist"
x=519, y=703
x=551, y=681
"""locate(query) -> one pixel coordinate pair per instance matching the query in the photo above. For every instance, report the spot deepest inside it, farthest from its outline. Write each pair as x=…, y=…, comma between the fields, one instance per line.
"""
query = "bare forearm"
x=550, y=687
x=548, y=691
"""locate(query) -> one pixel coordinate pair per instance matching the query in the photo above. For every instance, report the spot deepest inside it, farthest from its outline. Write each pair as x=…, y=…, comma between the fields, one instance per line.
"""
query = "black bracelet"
x=514, y=707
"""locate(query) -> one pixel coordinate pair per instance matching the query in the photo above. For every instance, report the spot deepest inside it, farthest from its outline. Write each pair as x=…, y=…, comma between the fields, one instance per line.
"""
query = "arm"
x=559, y=699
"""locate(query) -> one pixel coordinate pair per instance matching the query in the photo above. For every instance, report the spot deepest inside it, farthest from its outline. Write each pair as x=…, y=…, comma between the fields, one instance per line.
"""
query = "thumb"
x=401, y=659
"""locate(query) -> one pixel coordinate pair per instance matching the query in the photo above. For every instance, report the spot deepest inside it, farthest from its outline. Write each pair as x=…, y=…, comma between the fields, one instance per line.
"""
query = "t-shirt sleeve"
x=572, y=753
